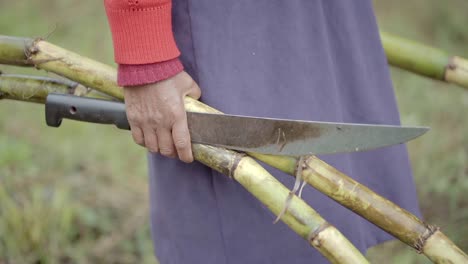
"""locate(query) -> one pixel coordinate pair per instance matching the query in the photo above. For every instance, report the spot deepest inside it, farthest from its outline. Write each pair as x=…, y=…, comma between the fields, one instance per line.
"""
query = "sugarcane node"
x=237, y=158
x=301, y=165
x=314, y=233
x=451, y=66
x=421, y=241
x=307, y=163
x=31, y=48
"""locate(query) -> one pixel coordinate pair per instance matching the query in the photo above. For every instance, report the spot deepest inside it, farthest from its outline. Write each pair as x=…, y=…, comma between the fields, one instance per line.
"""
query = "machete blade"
x=294, y=137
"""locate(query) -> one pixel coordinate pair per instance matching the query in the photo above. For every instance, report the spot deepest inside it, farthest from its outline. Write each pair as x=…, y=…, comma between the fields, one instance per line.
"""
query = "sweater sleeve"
x=132, y=75
x=141, y=31
x=144, y=45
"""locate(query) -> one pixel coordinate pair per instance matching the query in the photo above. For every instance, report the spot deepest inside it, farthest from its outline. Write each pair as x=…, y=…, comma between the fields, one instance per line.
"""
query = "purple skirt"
x=301, y=59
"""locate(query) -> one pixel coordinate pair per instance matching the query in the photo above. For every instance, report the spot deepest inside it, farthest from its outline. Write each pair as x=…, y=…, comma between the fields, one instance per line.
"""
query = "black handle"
x=60, y=106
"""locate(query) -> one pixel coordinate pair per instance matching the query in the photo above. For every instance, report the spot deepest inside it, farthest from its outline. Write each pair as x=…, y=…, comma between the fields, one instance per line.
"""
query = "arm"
x=152, y=76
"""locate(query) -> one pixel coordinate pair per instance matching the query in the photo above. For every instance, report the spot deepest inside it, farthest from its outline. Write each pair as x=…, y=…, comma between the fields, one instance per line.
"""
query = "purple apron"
x=301, y=59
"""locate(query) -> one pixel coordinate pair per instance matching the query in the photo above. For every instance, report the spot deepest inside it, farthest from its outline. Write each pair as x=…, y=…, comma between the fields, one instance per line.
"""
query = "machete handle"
x=60, y=106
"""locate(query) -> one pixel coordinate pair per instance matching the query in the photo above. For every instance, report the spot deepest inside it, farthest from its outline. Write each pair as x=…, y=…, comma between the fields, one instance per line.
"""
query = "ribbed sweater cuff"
x=142, y=35
x=132, y=75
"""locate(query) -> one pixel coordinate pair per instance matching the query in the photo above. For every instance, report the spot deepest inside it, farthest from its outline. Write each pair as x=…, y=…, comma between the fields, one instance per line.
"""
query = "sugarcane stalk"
x=358, y=198
x=424, y=60
x=35, y=89
x=46, y=56
x=300, y=217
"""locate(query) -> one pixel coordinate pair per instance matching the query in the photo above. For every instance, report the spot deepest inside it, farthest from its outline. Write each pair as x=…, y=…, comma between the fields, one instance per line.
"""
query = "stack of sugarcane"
x=93, y=79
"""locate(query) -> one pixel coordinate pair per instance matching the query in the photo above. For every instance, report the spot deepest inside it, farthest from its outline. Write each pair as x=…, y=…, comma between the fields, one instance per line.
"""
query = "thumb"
x=194, y=91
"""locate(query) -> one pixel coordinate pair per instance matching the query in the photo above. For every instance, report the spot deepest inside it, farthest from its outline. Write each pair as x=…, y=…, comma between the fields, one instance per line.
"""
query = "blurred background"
x=78, y=194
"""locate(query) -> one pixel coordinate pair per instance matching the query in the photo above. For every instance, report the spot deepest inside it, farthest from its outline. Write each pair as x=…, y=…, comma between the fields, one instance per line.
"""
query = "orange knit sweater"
x=141, y=31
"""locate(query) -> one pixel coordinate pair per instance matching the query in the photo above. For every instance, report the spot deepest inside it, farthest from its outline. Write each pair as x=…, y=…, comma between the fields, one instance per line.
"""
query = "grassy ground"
x=78, y=194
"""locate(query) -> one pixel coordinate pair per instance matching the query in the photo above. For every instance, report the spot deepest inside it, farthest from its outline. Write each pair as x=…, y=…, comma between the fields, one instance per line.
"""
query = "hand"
x=157, y=117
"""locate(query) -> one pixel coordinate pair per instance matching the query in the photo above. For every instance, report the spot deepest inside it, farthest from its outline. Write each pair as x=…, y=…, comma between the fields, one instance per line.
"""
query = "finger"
x=137, y=135
x=194, y=91
x=181, y=136
x=151, y=140
x=166, y=145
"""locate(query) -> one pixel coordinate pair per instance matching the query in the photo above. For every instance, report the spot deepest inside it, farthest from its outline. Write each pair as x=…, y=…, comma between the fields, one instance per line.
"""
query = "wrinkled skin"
x=157, y=116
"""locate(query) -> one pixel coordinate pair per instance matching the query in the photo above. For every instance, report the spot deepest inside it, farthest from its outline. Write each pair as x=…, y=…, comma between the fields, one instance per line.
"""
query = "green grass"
x=78, y=194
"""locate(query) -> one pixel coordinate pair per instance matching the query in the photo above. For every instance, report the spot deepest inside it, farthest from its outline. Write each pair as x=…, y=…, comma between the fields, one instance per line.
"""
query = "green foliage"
x=78, y=194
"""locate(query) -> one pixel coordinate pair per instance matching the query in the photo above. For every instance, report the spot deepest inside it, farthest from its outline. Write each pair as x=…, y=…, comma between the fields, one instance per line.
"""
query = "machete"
x=249, y=134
